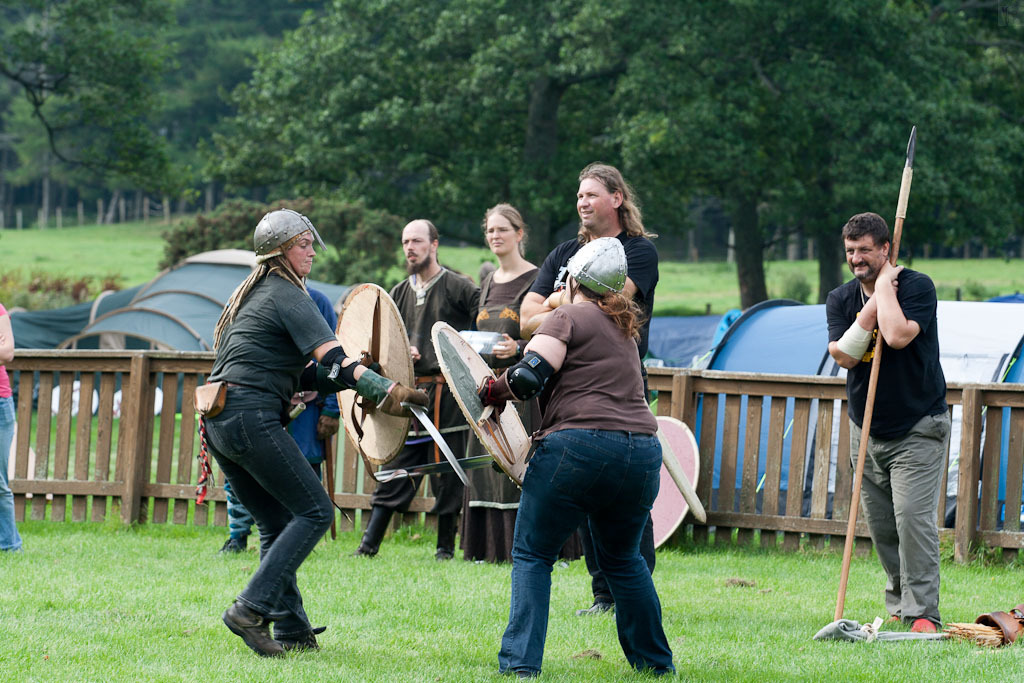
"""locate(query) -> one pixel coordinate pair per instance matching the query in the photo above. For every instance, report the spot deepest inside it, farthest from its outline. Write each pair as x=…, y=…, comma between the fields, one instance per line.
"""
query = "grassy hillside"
x=130, y=253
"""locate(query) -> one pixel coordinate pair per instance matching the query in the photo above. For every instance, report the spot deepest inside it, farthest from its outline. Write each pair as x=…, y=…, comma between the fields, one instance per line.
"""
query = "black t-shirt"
x=641, y=268
x=271, y=339
x=910, y=380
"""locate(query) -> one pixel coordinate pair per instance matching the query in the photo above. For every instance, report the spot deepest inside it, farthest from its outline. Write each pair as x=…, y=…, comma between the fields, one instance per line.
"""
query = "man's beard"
x=868, y=276
x=420, y=266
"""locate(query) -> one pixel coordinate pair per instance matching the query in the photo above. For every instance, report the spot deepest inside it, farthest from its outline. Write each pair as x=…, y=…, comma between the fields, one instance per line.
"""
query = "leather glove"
x=495, y=392
x=398, y=394
x=326, y=427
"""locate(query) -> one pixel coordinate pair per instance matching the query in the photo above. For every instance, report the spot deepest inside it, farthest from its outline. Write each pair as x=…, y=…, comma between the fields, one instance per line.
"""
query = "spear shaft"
x=869, y=402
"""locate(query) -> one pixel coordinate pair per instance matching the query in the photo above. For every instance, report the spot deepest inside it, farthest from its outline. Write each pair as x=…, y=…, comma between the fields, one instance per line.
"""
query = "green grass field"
x=97, y=602
x=131, y=252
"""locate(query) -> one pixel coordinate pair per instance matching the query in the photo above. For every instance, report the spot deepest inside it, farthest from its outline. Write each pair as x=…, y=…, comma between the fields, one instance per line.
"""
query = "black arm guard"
x=527, y=378
x=330, y=376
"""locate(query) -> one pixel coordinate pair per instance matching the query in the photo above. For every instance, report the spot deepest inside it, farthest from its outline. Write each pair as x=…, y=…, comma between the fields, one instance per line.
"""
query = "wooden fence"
x=752, y=428
x=783, y=440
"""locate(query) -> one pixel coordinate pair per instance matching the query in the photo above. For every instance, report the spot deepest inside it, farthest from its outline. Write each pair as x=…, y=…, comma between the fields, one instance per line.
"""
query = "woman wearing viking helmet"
x=597, y=456
x=266, y=335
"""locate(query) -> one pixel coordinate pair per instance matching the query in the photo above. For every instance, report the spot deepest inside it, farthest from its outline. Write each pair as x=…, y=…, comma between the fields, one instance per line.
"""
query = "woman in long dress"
x=491, y=501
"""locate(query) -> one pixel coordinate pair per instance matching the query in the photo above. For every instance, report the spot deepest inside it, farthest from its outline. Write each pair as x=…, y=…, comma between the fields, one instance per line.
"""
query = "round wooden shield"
x=382, y=435
x=464, y=369
x=670, y=507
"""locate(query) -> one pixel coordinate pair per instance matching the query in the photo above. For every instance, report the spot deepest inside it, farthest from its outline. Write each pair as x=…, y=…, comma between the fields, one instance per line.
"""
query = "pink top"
x=5, y=382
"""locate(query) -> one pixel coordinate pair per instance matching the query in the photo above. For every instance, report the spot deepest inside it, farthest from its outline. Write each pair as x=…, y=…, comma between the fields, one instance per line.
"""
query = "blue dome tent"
x=979, y=342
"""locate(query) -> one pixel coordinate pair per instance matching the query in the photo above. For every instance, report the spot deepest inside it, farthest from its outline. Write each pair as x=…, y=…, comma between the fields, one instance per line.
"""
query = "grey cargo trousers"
x=899, y=498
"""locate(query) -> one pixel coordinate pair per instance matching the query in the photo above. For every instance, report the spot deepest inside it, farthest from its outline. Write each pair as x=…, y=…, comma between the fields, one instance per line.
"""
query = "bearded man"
x=910, y=424
x=430, y=293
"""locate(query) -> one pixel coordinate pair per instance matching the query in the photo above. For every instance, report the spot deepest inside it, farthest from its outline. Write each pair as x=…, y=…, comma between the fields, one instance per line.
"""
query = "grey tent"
x=179, y=308
x=47, y=329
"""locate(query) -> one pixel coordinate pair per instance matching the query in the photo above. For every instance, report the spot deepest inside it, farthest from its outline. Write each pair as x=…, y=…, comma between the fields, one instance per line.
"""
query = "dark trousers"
x=612, y=478
x=598, y=583
x=274, y=481
x=397, y=494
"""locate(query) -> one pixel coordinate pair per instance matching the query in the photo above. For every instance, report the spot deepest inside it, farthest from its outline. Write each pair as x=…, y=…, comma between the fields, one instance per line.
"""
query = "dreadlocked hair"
x=624, y=312
x=274, y=264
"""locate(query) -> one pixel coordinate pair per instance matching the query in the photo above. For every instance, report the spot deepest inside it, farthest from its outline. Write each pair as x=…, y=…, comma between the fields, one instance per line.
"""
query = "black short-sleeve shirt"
x=271, y=339
x=910, y=380
x=641, y=268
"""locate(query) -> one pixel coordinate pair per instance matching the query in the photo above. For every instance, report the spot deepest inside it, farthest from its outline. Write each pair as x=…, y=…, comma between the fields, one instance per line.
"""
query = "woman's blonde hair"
x=273, y=263
x=512, y=215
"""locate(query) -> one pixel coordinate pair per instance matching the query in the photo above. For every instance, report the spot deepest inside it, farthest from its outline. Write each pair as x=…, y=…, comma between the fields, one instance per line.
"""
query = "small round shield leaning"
x=504, y=435
x=680, y=458
x=370, y=327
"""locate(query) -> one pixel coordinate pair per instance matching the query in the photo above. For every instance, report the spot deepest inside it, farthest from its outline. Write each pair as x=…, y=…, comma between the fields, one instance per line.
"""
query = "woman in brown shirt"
x=597, y=456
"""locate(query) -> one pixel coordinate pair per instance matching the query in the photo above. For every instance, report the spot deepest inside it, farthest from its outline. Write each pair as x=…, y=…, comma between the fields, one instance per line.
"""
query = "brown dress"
x=491, y=501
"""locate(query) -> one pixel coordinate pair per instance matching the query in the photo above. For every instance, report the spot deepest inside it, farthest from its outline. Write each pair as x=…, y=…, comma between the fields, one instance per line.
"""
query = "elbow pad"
x=331, y=377
x=527, y=378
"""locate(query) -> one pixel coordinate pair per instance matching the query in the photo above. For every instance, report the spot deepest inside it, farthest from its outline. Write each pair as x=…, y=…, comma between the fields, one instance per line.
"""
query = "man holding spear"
x=909, y=424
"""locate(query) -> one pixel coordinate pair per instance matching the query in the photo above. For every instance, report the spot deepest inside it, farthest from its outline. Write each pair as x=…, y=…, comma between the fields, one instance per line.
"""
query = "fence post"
x=131, y=442
x=60, y=218
x=167, y=210
x=18, y=218
x=99, y=211
x=965, y=527
x=81, y=213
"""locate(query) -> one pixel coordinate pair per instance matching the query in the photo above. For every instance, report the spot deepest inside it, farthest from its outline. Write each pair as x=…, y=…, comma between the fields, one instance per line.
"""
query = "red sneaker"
x=923, y=626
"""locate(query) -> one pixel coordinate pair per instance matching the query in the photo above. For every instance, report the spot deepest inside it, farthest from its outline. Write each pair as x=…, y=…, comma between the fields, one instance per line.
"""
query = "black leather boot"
x=253, y=628
x=375, y=530
x=445, y=537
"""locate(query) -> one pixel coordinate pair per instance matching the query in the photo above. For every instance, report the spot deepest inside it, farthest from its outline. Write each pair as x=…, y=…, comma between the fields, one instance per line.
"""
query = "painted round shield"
x=670, y=507
x=370, y=323
x=505, y=439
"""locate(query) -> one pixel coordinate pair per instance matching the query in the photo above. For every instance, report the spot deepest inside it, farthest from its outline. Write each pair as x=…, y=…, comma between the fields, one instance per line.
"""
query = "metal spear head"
x=910, y=147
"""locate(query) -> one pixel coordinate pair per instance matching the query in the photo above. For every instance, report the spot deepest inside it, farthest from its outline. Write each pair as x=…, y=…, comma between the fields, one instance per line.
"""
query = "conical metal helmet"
x=277, y=227
x=600, y=265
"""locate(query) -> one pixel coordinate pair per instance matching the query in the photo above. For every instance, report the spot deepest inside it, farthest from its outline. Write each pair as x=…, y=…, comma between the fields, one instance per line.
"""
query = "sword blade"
x=475, y=462
x=424, y=419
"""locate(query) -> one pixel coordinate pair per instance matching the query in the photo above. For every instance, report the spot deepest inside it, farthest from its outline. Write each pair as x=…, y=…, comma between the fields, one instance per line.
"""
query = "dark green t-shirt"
x=271, y=339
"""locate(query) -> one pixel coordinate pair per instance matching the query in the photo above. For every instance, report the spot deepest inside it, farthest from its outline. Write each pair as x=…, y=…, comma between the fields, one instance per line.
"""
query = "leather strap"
x=329, y=482
x=438, y=382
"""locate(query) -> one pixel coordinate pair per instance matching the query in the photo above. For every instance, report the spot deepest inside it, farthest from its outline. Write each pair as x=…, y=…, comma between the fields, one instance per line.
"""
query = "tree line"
x=770, y=119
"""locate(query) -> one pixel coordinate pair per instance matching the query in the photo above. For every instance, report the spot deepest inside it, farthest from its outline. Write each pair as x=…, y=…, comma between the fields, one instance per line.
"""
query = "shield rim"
x=685, y=510
x=403, y=374
x=508, y=417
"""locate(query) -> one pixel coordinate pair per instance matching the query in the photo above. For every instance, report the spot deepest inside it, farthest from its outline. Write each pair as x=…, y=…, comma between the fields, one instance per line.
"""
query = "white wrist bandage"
x=854, y=341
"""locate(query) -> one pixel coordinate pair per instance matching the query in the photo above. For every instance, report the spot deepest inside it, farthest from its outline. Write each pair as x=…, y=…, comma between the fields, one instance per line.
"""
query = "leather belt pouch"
x=210, y=398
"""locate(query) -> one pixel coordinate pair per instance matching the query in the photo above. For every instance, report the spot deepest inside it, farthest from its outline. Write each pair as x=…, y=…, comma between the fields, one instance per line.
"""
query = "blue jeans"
x=9, y=537
x=613, y=478
x=273, y=480
x=239, y=520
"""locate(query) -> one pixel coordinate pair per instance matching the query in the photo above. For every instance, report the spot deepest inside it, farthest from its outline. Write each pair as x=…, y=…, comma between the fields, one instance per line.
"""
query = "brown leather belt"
x=438, y=382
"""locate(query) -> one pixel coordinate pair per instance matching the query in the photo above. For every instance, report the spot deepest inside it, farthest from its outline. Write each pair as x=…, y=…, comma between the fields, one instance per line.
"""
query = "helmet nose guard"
x=600, y=265
x=277, y=227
